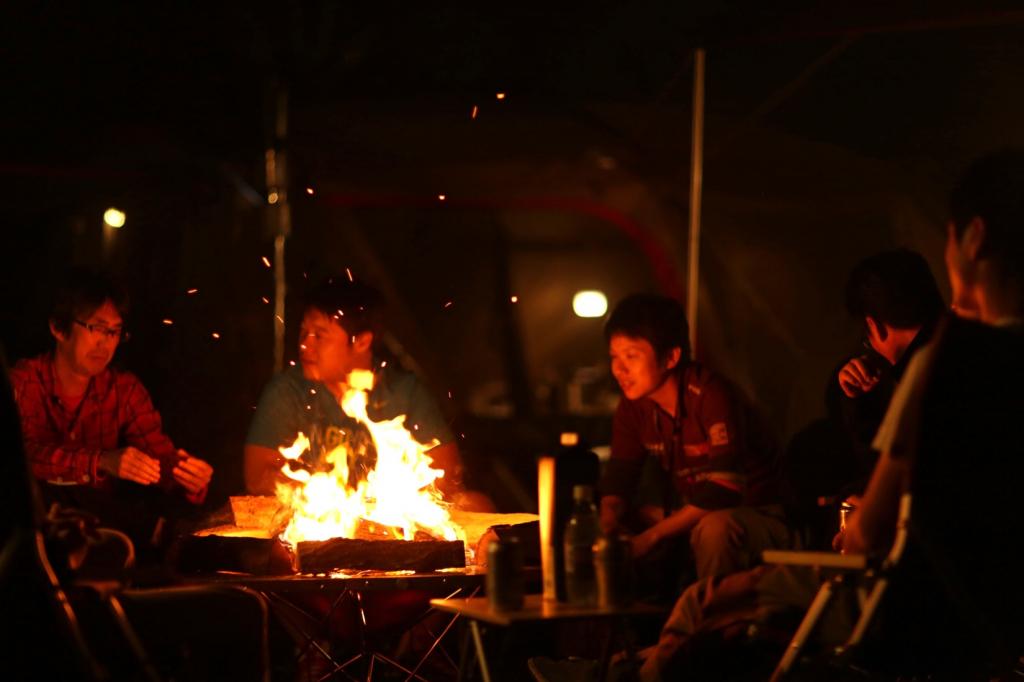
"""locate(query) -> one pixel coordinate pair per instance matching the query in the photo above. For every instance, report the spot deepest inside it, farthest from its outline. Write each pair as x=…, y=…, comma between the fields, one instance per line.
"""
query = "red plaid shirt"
x=65, y=446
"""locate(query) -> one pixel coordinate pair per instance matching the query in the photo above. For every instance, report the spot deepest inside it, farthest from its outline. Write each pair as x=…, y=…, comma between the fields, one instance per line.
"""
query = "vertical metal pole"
x=696, y=185
x=277, y=196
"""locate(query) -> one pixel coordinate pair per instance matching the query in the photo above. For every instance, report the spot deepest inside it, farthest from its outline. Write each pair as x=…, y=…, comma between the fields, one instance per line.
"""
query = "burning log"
x=232, y=549
x=392, y=555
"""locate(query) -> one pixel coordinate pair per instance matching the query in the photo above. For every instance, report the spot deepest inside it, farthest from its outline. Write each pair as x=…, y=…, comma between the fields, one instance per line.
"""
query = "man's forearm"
x=56, y=462
x=873, y=524
x=262, y=469
x=679, y=522
x=613, y=508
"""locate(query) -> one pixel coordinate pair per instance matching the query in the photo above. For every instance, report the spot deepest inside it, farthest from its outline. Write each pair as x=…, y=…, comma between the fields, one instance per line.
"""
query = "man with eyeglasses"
x=92, y=428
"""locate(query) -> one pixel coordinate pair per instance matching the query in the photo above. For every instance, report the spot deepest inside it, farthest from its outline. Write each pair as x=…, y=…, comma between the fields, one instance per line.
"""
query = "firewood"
x=390, y=555
x=229, y=552
x=369, y=530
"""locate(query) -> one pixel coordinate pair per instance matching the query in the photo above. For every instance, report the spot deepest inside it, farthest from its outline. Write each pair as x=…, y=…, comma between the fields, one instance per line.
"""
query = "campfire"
x=396, y=499
x=370, y=502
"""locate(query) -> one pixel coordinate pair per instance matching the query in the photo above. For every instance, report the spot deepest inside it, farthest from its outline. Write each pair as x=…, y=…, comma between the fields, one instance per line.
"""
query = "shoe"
x=545, y=669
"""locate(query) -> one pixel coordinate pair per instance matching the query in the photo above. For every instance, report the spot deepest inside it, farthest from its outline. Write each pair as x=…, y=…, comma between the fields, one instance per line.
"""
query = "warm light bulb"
x=589, y=303
x=114, y=217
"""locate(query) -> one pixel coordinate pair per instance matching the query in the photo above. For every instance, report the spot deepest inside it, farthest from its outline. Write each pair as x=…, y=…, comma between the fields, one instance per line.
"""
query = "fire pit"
x=251, y=545
x=352, y=548
x=369, y=503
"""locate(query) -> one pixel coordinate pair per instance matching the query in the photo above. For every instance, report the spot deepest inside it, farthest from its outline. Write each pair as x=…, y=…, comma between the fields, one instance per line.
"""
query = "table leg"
x=304, y=625
x=481, y=656
x=463, y=656
x=437, y=642
x=606, y=653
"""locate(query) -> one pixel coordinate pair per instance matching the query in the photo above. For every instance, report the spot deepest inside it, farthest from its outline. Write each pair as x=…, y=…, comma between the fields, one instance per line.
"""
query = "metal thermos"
x=613, y=564
x=505, y=574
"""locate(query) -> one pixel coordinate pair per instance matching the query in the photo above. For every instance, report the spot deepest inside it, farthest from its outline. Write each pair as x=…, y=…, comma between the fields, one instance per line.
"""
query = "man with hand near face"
x=951, y=437
x=718, y=462
x=895, y=295
x=92, y=428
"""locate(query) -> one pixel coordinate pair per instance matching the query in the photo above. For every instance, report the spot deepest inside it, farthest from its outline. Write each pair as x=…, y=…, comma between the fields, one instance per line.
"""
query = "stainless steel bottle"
x=505, y=574
x=613, y=564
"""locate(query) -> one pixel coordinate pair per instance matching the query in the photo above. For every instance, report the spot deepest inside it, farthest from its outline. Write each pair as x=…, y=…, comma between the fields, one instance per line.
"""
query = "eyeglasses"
x=94, y=328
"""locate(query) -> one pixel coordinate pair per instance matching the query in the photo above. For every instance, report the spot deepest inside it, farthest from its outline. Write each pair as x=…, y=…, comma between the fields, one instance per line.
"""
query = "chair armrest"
x=111, y=535
x=833, y=560
x=108, y=563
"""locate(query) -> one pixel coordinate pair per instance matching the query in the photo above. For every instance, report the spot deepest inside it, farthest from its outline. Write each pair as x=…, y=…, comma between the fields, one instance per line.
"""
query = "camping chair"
x=104, y=592
x=36, y=616
x=871, y=578
x=47, y=612
x=916, y=616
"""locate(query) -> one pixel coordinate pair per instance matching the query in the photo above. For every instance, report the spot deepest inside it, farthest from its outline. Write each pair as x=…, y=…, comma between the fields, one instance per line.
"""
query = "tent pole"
x=696, y=183
x=277, y=196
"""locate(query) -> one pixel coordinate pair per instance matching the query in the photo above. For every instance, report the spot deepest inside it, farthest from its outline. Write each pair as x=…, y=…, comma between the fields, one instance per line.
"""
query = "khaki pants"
x=732, y=540
x=729, y=603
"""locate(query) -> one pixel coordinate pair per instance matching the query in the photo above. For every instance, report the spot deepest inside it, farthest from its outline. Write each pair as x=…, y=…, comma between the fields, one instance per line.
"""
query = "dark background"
x=833, y=130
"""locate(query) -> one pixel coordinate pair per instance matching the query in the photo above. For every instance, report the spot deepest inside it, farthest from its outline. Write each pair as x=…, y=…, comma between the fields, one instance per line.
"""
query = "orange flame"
x=399, y=493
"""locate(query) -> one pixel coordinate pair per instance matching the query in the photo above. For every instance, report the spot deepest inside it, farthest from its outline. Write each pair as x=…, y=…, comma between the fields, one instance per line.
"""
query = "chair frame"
x=872, y=578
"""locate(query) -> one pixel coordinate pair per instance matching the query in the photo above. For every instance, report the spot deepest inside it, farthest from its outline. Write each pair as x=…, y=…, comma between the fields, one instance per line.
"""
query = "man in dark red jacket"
x=718, y=460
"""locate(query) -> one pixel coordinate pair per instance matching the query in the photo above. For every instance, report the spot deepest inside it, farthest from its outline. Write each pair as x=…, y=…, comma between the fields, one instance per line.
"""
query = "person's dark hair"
x=992, y=189
x=354, y=305
x=81, y=293
x=896, y=288
x=660, y=320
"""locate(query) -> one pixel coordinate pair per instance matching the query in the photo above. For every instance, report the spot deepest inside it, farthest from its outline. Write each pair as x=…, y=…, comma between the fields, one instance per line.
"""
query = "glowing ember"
x=168, y=322
x=215, y=335
x=514, y=299
x=473, y=113
x=398, y=495
x=264, y=299
x=266, y=261
x=192, y=291
x=309, y=191
x=500, y=95
x=440, y=197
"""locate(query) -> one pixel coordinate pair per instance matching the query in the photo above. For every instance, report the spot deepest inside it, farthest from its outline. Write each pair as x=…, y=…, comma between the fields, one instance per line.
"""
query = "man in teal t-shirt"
x=340, y=322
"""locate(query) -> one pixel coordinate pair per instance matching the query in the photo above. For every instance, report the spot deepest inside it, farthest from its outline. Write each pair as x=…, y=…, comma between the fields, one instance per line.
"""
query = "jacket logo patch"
x=718, y=434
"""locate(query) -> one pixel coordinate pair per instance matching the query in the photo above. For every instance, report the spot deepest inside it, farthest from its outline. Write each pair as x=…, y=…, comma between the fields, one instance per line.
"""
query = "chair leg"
x=866, y=614
x=95, y=670
x=132, y=638
x=481, y=656
x=807, y=625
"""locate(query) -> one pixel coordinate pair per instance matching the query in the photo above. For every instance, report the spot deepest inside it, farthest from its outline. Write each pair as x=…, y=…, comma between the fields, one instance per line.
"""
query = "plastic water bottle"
x=582, y=531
